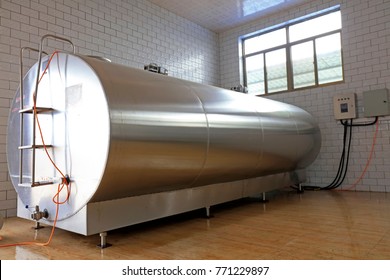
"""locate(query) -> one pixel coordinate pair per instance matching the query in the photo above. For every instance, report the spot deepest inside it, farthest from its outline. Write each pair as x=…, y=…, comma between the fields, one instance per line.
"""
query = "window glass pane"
x=255, y=74
x=302, y=56
x=265, y=41
x=276, y=70
x=329, y=61
x=315, y=26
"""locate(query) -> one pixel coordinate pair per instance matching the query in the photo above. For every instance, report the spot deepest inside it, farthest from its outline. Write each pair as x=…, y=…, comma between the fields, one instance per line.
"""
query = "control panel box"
x=344, y=106
x=376, y=103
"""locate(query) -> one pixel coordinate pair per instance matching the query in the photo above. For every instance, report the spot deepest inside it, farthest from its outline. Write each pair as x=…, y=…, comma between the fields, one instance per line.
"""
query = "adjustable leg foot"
x=208, y=215
x=263, y=198
x=103, y=241
x=38, y=225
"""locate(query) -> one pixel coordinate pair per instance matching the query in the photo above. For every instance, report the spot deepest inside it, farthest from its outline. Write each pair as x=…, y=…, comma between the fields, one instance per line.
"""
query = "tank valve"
x=37, y=215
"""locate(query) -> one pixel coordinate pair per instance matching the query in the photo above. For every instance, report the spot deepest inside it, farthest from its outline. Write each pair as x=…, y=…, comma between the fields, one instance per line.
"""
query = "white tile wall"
x=132, y=32
x=366, y=50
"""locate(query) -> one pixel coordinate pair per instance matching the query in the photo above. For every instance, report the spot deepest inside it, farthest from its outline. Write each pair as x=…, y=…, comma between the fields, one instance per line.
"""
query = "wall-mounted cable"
x=360, y=124
x=345, y=155
x=369, y=157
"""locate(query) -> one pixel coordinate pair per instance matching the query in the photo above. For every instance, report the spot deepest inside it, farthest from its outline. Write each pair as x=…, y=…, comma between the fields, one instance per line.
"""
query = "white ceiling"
x=220, y=15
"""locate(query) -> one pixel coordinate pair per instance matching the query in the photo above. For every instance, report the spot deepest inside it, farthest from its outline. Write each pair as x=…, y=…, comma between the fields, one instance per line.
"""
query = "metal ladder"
x=34, y=111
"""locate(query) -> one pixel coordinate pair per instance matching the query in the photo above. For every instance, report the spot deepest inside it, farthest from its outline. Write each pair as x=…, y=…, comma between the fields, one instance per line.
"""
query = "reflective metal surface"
x=121, y=132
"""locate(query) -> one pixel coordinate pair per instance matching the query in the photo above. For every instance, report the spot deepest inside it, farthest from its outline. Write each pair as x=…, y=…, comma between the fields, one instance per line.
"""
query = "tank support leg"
x=300, y=188
x=103, y=240
x=208, y=215
x=38, y=225
x=263, y=198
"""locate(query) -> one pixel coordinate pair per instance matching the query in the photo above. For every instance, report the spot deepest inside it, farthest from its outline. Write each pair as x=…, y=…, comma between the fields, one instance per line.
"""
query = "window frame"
x=288, y=46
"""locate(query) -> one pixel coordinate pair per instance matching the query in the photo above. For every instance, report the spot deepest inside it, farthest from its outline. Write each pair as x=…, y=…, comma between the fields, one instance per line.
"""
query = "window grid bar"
x=290, y=78
x=315, y=63
x=265, y=73
x=288, y=44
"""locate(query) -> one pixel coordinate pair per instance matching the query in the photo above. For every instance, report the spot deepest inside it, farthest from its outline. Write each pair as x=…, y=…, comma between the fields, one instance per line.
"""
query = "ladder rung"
x=42, y=183
x=36, y=184
x=38, y=109
x=25, y=185
x=34, y=147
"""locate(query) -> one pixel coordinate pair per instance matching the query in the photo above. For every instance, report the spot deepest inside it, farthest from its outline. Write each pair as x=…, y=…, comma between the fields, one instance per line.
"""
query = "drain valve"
x=37, y=215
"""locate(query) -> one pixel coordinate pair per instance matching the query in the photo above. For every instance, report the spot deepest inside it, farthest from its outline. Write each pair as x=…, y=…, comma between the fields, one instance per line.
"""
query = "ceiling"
x=220, y=15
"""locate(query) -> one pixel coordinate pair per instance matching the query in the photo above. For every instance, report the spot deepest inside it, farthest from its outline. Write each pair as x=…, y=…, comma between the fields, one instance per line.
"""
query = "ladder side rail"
x=21, y=117
x=36, y=93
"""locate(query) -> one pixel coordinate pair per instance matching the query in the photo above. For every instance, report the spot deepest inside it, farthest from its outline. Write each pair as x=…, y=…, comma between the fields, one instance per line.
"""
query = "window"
x=302, y=53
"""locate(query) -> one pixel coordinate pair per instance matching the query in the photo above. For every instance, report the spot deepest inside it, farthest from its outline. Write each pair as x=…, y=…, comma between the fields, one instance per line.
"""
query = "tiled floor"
x=321, y=225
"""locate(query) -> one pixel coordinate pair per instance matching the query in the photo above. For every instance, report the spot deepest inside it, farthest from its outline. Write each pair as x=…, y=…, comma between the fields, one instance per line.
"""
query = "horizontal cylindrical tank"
x=119, y=132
